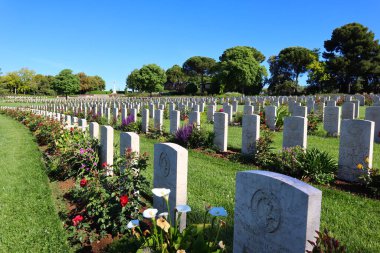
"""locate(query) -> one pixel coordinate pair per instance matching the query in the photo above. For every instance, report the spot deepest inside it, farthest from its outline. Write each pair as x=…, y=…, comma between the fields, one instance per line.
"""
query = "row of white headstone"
x=273, y=212
x=354, y=149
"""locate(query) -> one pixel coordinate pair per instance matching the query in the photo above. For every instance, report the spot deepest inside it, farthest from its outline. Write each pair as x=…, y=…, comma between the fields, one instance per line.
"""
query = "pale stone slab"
x=250, y=133
x=300, y=111
x=145, y=121
x=373, y=114
x=170, y=171
x=221, y=130
x=94, y=130
x=248, y=110
x=129, y=140
x=348, y=110
x=174, y=121
x=271, y=117
x=295, y=132
x=106, y=147
x=355, y=147
x=274, y=213
x=195, y=119
x=331, y=120
x=158, y=119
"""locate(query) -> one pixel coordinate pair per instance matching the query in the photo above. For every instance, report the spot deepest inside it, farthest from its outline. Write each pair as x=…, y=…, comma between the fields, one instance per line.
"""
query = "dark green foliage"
x=318, y=166
x=201, y=67
x=66, y=82
x=239, y=69
x=191, y=89
x=352, y=59
x=150, y=78
x=286, y=68
x=372, y=181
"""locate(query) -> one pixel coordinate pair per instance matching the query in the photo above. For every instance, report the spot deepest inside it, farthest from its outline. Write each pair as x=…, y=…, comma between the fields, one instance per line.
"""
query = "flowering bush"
x=190, y=136
x=162, y=233
x=130, y=124
x=326, y=243
x=105, y=202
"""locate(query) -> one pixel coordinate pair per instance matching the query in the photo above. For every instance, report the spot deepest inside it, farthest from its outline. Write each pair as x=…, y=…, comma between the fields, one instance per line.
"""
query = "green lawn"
x=28, y=218
x=352, y=219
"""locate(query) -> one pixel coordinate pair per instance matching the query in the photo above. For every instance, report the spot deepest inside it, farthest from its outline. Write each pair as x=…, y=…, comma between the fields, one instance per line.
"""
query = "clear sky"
x=111, y=38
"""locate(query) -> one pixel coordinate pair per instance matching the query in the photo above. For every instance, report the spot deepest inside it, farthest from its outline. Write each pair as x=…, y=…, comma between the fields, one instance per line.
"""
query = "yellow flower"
x=359, y=166
x=367, y=159
x=181, y=251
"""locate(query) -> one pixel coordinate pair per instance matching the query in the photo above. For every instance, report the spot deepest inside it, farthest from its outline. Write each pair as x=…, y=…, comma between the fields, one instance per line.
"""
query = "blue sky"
x=111, y=38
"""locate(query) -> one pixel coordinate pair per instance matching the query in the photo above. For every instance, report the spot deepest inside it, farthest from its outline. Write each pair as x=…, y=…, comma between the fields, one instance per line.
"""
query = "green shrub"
x=325, y=243
x=319, y=166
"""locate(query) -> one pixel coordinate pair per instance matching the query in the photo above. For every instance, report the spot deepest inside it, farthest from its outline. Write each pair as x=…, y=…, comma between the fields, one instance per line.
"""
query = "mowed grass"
x=353, y=219
x=28, y=218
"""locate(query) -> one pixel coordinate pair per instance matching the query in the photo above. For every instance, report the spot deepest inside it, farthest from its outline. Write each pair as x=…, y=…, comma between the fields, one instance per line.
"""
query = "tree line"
x=26, y=81
x=350, y=63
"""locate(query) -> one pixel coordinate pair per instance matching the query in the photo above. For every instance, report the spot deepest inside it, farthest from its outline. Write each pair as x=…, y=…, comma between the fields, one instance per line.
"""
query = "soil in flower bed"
x=353, y=188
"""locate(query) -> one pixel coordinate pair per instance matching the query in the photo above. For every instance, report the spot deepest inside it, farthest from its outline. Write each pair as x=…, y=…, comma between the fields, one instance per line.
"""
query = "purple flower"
x=81, y=151
x=95, y=164
x=183, y=134
x=128, y=120
x=82, y=166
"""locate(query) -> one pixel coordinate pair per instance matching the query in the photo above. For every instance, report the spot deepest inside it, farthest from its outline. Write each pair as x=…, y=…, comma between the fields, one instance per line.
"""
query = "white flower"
x=183, y=208
x=150, y=213
x=161, y=192
x=218, y=211
x=221, y=245
x=164, y=214
x=133, y=224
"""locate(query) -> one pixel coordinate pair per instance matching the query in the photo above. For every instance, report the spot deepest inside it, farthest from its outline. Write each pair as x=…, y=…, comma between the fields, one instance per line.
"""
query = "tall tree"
x=199, y=66
x=131, y=81
x=151, y=78
x=44, y=84
x=353, y=58
x=239, y=69
x=176, y=78
x=288, y=66
x=66, y=82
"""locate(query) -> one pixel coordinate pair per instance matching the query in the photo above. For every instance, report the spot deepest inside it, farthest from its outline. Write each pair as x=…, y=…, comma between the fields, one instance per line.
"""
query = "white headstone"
x=274, y=213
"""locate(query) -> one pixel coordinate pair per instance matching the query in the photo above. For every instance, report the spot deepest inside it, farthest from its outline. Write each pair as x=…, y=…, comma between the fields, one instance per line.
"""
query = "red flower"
x=221, y=110
x=71, y=129
x=104, y=164
x=77, y=219
x=129, y=150
x=124, y=200
x=83, y=182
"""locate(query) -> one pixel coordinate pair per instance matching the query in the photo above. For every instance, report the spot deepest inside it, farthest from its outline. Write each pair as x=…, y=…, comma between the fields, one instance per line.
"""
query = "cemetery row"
x=357, y=137
x=273, y=212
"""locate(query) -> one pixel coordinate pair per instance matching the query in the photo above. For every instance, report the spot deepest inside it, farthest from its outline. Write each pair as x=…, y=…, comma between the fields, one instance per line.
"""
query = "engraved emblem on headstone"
x=164, y=164
x=266, y=212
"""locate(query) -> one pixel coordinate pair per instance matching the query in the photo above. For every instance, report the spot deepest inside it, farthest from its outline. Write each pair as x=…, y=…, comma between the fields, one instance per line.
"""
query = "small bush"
x=325, y=243
x=319, y=166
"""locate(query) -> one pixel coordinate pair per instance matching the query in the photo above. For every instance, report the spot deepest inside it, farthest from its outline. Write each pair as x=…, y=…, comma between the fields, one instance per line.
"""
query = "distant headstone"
x=221, y=130
x=331, y=120
x=106, y=147
x=250, y=133
x=373, y=114
x=295, y=132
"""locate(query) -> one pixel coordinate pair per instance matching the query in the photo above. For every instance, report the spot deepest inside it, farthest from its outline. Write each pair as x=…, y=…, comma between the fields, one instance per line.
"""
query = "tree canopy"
x=150, y=78
x=353, y=59
x=66, y=82
x=288, y=66
x=199, y=66
x=239, y=69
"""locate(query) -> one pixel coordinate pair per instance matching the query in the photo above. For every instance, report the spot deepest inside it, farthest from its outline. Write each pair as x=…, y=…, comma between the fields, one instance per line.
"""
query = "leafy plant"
x=319, y=166
x=162, y=233
x=325, y=243
x=282, y=112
